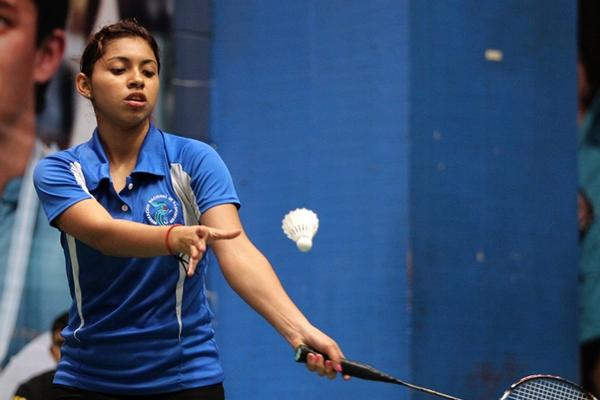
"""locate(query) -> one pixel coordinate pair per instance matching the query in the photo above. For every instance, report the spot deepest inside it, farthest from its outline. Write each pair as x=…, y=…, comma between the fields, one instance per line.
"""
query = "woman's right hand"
x=193, y=241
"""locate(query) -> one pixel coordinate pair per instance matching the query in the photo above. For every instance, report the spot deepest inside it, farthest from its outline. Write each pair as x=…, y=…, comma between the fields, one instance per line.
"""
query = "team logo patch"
x=162, y=210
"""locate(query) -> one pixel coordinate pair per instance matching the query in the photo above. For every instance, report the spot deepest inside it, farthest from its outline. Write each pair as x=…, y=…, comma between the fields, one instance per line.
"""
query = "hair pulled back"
x=125, y=28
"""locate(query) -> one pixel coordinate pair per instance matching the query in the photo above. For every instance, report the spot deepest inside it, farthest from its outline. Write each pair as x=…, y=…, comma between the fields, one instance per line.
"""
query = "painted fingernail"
x=338, y=367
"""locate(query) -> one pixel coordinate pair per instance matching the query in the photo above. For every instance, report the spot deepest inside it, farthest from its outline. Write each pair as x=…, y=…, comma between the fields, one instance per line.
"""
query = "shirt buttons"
x=124, y=207
x=130, y=186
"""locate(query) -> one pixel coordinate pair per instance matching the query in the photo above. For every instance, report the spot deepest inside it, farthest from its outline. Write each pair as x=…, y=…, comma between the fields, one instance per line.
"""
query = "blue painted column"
x=310, y=109
x=493, y=193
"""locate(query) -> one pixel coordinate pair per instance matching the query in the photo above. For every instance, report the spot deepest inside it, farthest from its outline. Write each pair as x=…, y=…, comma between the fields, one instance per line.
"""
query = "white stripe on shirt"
x=191, y=216
x=72, y=246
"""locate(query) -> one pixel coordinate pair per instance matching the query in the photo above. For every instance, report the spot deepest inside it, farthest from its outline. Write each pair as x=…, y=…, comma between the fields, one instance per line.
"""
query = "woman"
x=137, y=208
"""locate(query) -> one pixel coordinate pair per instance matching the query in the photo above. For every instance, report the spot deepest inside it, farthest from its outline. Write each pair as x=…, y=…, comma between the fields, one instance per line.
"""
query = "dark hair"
x=51, y=14
x=60, y=322
x=125, y=28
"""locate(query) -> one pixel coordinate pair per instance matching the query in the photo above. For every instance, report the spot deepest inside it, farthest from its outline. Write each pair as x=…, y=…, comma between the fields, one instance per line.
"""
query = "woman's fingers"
x=193, y=260
x=193, y=241
x=316, y=363
x=330, y=372
x=212, y=234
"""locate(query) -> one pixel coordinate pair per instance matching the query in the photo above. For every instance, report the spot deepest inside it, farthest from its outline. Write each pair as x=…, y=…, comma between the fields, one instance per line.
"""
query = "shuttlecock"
x=300, y=225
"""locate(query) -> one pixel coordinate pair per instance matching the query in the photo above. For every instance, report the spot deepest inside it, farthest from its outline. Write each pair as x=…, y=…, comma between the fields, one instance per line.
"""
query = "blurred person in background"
x=588, y=69
x=32, y=43
x=40, y=386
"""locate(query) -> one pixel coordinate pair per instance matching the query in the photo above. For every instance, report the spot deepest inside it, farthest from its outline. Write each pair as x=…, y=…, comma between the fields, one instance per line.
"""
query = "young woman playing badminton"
x=137, y=209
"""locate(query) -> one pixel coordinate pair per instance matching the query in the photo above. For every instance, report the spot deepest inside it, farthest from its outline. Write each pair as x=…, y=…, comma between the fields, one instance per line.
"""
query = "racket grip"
x=302, y=352
x=351, y=368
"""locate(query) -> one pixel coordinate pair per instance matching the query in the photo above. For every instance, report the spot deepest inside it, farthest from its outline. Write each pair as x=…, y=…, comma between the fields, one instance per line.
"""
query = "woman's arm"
x=90, y=223
x=250, y=274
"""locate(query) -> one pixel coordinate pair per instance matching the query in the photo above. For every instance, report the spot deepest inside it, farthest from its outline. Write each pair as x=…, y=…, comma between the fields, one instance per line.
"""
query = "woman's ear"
x=48, y=56
x=83, y=85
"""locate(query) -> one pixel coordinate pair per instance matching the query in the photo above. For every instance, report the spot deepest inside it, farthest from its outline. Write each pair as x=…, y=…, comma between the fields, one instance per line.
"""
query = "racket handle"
x=364, y=371
x=351, y=368
x=302, y=352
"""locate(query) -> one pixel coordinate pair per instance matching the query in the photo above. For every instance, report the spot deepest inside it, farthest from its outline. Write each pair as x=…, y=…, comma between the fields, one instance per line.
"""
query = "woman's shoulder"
x=181, y=147
x=71, y=154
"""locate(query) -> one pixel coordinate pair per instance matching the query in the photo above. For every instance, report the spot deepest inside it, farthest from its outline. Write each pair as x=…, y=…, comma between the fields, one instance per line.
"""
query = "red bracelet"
x=167, y=238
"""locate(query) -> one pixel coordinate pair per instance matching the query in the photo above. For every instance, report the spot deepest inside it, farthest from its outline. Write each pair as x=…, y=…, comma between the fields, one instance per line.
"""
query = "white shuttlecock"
x=300, y=225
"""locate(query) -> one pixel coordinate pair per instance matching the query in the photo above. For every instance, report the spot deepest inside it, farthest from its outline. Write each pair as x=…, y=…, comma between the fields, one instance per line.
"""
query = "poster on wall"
x=40, y=113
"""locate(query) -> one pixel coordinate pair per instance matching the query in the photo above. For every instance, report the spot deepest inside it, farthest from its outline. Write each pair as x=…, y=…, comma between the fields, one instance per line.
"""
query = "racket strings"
x=546, y=389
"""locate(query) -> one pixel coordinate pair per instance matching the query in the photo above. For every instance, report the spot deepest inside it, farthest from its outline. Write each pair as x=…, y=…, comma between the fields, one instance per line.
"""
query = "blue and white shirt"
x=137, y=325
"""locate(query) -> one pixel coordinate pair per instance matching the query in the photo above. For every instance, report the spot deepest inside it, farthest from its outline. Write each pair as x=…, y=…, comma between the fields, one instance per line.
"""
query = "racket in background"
x=533, y=387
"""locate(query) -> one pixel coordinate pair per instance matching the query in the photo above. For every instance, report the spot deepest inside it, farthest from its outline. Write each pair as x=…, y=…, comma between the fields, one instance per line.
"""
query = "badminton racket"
x=533, y=387
x=545, y=387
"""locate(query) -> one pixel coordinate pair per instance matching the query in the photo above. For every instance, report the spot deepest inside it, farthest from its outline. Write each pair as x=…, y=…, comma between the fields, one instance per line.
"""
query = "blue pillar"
x=493, y=183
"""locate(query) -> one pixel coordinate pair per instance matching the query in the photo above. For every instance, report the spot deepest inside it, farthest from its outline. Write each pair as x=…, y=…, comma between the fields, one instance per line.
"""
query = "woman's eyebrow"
x=126, y=59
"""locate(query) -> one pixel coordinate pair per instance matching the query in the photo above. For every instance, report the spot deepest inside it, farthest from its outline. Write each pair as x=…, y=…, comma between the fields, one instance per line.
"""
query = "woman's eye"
x=149, y=74
x=117, y=71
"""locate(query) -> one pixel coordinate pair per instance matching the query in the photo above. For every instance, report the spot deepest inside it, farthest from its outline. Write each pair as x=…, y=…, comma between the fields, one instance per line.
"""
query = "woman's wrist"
x=297, y=332
x=168, y=236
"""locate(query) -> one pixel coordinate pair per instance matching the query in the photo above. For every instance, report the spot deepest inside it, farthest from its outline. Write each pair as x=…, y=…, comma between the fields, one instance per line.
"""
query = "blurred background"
x=437, y=140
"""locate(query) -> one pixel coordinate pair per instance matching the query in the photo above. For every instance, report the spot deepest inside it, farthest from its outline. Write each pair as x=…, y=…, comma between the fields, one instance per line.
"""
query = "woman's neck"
x=122, y=145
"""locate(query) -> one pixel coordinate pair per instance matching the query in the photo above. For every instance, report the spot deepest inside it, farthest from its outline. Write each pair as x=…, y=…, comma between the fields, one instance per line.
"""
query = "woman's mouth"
x=136, y=100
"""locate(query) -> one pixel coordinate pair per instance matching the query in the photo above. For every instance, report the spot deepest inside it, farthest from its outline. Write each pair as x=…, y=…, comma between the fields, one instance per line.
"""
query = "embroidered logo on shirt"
x=162, y=210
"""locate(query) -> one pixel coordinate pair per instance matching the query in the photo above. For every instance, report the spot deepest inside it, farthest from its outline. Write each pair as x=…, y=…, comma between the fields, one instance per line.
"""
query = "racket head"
x=545, y=387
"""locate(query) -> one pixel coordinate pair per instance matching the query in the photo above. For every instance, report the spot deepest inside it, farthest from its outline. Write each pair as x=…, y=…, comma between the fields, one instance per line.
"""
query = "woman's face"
x=124, y=83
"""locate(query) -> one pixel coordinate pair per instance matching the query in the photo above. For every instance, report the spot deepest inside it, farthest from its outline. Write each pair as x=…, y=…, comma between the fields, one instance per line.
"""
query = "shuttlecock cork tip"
x=304, y=244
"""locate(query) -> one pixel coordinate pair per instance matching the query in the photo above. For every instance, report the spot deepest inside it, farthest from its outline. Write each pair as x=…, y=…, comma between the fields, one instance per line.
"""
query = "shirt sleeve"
x=211, y=180
x=59, y=183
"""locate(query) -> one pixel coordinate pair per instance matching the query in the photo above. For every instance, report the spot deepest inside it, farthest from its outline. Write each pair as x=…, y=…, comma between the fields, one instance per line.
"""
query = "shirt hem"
x=175, y=387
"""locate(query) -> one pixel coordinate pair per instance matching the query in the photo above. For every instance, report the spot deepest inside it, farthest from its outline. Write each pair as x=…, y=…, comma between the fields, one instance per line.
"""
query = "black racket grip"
x=351, y=368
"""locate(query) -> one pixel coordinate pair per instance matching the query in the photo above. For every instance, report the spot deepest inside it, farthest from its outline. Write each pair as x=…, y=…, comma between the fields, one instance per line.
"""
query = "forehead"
x=128, y=47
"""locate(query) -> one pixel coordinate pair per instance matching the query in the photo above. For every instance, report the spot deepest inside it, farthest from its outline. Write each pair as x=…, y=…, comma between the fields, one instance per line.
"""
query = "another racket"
x=533, y=387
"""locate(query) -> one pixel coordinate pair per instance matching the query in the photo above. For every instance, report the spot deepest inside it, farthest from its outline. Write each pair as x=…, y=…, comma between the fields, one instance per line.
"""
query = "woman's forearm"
x=90, y=223
x=250, y=274
x=121, y=238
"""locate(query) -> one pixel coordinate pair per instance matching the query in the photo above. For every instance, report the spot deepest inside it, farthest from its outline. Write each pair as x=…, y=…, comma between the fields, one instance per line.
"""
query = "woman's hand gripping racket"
x=534, y=387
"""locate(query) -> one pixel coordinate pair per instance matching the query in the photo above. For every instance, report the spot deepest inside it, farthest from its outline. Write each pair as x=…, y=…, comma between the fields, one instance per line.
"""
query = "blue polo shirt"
x=137, y=325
